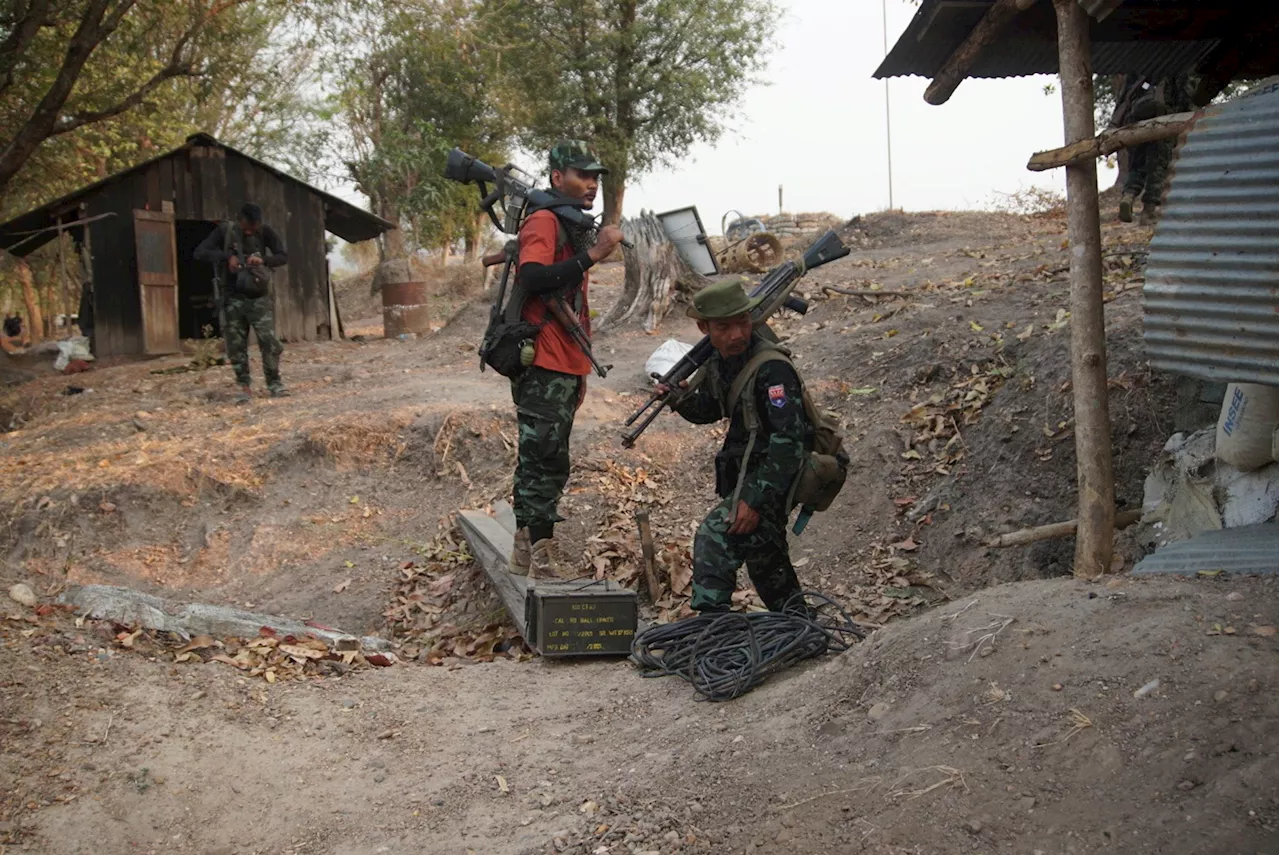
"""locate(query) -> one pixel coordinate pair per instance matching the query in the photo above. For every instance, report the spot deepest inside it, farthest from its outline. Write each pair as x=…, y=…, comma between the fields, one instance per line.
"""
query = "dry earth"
x=330, y=506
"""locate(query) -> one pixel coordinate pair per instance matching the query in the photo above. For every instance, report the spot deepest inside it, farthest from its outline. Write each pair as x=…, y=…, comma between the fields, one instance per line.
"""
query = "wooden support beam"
x=1094, y=477
x=961, y=62
x=1046, y=532
x=1109, y=142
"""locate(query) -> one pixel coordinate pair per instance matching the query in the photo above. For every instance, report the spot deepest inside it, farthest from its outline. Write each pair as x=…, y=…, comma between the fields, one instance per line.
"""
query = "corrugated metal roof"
x=1249, y=550
x=1211, y=280
x=344, y=219
x=1156, y=39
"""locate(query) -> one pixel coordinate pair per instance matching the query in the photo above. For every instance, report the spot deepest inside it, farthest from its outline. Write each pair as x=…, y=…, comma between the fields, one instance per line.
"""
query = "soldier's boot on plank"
x=1126, y=207
x=545, y=562
x=243, y=394
x=520, y=554
x=278, y=390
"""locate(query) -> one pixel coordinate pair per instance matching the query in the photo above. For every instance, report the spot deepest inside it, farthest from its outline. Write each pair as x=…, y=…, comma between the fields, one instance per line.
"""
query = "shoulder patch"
x=778, y=395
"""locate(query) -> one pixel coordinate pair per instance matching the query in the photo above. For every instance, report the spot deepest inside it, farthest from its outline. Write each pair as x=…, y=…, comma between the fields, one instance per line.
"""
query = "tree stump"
x=656, y=275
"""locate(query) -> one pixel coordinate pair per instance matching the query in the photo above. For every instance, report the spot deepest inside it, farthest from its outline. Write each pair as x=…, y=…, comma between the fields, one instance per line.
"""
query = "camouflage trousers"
x=243, y=313
x=717, y=555
x=546, y=402
x=1148, y=164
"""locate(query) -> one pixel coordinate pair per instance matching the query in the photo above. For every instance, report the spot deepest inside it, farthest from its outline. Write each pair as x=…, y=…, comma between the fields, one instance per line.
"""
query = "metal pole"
x=888, y=135
x=779, y=198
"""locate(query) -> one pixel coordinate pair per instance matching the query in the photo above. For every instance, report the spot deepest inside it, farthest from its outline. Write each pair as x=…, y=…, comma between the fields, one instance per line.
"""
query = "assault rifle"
x=775, y=293
x=514, y=189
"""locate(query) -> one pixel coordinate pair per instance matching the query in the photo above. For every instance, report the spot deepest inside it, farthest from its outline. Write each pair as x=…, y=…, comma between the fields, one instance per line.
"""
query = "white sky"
x=818, y=129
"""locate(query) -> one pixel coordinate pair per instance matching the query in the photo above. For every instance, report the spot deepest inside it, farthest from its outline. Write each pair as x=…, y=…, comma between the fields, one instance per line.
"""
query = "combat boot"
x=1150, y=215
x=1126, y=207
x=244, y=394
x=519, y=561
x=544, y=560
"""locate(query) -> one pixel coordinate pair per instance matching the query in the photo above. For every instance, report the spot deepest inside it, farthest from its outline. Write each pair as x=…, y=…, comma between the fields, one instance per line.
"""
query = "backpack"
x=823, y=473
x=508, y=332
x=249, y=282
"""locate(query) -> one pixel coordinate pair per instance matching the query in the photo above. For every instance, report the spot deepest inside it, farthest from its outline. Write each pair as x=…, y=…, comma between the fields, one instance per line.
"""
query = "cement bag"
x=1246, y=425
x=665, y=357
x=76, y=347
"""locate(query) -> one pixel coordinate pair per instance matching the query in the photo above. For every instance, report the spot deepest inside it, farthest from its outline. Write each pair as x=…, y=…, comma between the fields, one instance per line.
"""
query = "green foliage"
x=643, y=80
x=171, y=67
x=423, y=85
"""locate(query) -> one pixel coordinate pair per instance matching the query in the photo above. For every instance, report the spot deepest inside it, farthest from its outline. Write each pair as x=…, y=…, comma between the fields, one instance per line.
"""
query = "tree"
x=91, y=86
x=422, y=87
x=642, y=80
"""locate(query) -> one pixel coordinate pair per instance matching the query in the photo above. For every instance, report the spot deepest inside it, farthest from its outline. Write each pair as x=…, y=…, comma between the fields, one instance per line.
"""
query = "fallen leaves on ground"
x=271, y=656
x=420, y=613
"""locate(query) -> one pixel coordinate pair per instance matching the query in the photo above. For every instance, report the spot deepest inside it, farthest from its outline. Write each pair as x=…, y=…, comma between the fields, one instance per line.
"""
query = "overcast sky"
x=818, y=129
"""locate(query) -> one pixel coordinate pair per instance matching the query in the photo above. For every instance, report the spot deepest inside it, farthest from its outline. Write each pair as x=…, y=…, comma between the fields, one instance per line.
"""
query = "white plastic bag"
x=665, y=357
x=1246, y=424
x=76, y=347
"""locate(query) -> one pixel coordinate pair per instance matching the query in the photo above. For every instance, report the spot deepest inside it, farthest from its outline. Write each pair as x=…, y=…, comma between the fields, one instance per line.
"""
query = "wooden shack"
x=140, y=227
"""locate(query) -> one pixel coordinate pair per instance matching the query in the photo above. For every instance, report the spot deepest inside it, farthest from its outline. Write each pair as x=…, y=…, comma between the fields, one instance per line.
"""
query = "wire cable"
x=727, y=654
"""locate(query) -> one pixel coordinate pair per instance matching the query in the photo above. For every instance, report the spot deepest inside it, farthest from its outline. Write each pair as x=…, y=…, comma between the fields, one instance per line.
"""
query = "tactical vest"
x=251, y=282
x=825, y=466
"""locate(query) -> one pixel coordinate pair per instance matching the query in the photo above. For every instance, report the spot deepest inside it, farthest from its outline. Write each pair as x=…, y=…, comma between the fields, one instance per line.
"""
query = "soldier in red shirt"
x=554, y=259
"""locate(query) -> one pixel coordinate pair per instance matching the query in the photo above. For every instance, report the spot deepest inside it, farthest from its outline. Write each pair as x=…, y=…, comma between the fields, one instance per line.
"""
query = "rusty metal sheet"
x=1211, y=281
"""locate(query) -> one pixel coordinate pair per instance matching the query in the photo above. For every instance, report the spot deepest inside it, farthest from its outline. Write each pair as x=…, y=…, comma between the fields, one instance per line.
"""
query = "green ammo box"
x=580, y=618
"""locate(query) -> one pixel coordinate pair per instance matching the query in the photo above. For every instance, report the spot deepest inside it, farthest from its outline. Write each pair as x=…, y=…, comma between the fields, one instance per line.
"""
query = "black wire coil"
x=727, y=654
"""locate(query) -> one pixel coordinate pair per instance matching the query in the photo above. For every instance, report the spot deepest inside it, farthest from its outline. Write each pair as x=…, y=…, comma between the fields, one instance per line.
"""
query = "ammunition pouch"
x=252, y=282
x=500, y=349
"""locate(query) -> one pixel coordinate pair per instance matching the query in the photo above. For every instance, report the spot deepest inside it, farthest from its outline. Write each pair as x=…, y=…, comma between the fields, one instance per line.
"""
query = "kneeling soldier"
x=752, y=382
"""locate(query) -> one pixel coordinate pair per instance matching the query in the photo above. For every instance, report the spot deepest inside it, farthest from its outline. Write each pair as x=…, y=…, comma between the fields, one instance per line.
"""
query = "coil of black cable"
x=725, y=655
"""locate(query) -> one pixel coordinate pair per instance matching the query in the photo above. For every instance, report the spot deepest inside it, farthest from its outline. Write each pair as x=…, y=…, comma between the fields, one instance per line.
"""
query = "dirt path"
x=925, y=739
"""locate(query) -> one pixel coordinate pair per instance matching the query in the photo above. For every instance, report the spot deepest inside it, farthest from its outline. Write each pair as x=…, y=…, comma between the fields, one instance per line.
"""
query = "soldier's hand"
x=255, y=260
x=664, y=389
x=607, y=240
x=745, y=519
x=233, y=264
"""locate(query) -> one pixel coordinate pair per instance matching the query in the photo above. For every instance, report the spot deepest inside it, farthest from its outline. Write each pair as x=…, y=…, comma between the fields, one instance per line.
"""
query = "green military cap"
x=724, y=299
x=576, y=154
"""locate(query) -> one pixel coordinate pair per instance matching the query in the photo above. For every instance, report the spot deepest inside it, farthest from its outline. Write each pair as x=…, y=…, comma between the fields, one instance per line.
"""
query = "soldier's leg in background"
x=263, y=319
x=545, y=406
x=1157, y=167
x=716, y=559
x=769, y=562
x=237, y=338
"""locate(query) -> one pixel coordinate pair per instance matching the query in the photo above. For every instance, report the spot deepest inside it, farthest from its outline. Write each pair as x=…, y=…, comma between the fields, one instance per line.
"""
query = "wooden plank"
x=165, y=169
x=491, y=543
x=153, y=187
x=962, y=60
x=157, y=255
x=505, y=515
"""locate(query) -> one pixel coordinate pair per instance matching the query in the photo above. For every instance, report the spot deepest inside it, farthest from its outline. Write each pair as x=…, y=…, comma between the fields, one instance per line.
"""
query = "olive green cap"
x=724, y=299
x=575, y=154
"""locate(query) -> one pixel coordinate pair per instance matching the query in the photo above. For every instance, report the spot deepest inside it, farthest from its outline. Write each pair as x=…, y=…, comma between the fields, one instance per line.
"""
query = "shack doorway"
x=196, y=306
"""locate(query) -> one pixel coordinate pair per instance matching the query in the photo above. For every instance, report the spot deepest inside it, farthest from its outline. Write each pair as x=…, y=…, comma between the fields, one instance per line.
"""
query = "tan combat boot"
x=518, y=563
x=1126, y=208
x=545, y=560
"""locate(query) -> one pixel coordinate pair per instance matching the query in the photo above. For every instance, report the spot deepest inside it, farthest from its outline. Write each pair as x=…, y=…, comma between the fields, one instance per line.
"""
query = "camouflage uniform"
x=1149, y=162
x=785, y=437
x=243, y=313
x=546, y=402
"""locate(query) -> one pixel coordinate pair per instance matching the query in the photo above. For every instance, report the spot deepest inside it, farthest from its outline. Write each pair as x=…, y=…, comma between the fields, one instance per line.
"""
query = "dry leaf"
x=200, y=642
x=502, y=784
x=907, y=545
x=342, y=586
x=1265, y=631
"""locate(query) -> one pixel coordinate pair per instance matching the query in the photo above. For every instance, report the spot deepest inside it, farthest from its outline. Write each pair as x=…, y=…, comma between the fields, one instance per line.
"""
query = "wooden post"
x=1109, y=142
x=961, y=62
x=1097, y=508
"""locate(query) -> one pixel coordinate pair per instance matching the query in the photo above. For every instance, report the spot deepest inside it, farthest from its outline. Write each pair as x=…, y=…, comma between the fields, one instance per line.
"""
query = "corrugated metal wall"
x=207, y=183
x=1211, y=284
